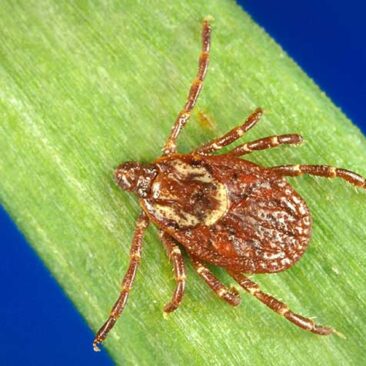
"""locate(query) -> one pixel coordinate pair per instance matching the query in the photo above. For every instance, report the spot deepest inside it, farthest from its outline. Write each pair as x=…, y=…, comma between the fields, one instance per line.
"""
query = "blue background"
x=327, y=39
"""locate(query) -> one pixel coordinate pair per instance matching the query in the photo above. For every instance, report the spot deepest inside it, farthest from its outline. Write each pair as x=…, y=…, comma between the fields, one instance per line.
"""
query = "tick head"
x=135, y=177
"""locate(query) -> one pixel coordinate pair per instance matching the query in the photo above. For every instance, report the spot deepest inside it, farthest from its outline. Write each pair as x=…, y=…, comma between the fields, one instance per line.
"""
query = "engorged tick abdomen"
x=229, y=212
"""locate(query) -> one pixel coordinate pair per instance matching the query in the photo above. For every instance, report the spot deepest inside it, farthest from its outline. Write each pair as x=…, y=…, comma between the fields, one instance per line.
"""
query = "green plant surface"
x=86, y=85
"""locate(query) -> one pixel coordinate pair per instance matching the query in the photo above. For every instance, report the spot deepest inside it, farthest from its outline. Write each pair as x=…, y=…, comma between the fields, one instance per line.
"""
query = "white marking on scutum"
x=155, y=190
x=201, y=174
x=168, y=212
x=182, y=172
x=222, y=198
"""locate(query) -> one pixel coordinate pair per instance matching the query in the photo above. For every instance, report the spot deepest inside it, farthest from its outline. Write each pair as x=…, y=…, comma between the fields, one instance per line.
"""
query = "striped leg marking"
x=279, y=307
x=184, y=115
x=232, y=135
x=127, y=282
x=321, y=171
x=231, y=296
x=176, y=258
x=266, y=143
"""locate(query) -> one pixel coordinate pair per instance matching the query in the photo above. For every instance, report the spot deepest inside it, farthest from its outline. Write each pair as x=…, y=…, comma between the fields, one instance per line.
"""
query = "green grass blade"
x=86, y=85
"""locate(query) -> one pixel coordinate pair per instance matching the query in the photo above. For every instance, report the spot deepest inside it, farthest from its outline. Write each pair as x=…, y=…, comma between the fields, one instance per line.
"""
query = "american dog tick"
x=223, y=210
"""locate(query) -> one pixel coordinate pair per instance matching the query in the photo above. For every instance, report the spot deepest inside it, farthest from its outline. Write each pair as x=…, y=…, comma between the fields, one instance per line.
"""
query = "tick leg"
x=135, y=257
x=185, y=113
x=231, y=296
x=266, y=143
x=232, y=135
x=279, y=307
x=322, y=171
x=176, y=258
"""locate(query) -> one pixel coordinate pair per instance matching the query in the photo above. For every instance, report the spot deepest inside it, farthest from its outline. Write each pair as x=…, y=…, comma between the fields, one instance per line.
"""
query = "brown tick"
x=223, y=210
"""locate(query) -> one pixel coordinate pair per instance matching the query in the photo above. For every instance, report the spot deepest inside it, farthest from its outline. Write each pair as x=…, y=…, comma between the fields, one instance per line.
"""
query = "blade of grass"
x=86, y=85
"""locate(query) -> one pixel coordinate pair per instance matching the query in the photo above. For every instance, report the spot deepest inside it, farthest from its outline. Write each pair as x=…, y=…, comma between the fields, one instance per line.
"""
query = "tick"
x=222, y=210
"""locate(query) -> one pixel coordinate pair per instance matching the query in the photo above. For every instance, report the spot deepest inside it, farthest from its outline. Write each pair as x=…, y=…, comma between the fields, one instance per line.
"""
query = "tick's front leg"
x=135, y=257
x=170, y=146
x=176, y=258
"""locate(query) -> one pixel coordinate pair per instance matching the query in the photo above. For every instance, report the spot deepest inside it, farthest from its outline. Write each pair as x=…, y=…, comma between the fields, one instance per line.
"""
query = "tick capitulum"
x=135, y=177
x=222, y=210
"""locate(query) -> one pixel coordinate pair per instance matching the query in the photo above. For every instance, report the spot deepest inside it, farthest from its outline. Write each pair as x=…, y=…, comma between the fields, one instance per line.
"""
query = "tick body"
x=229, y=212
x=222, y=210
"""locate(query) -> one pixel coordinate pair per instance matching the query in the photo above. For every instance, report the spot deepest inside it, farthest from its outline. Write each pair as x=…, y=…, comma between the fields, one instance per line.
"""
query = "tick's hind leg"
x=279, y=307
x=185, y=113
x=232, y=135
x=231, y=296
x=135, y=257
x=176, y=258
x=321, y=171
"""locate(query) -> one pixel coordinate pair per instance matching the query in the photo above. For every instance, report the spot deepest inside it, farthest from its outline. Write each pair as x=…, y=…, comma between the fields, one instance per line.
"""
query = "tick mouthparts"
x=135, y=177
x=126, y=175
